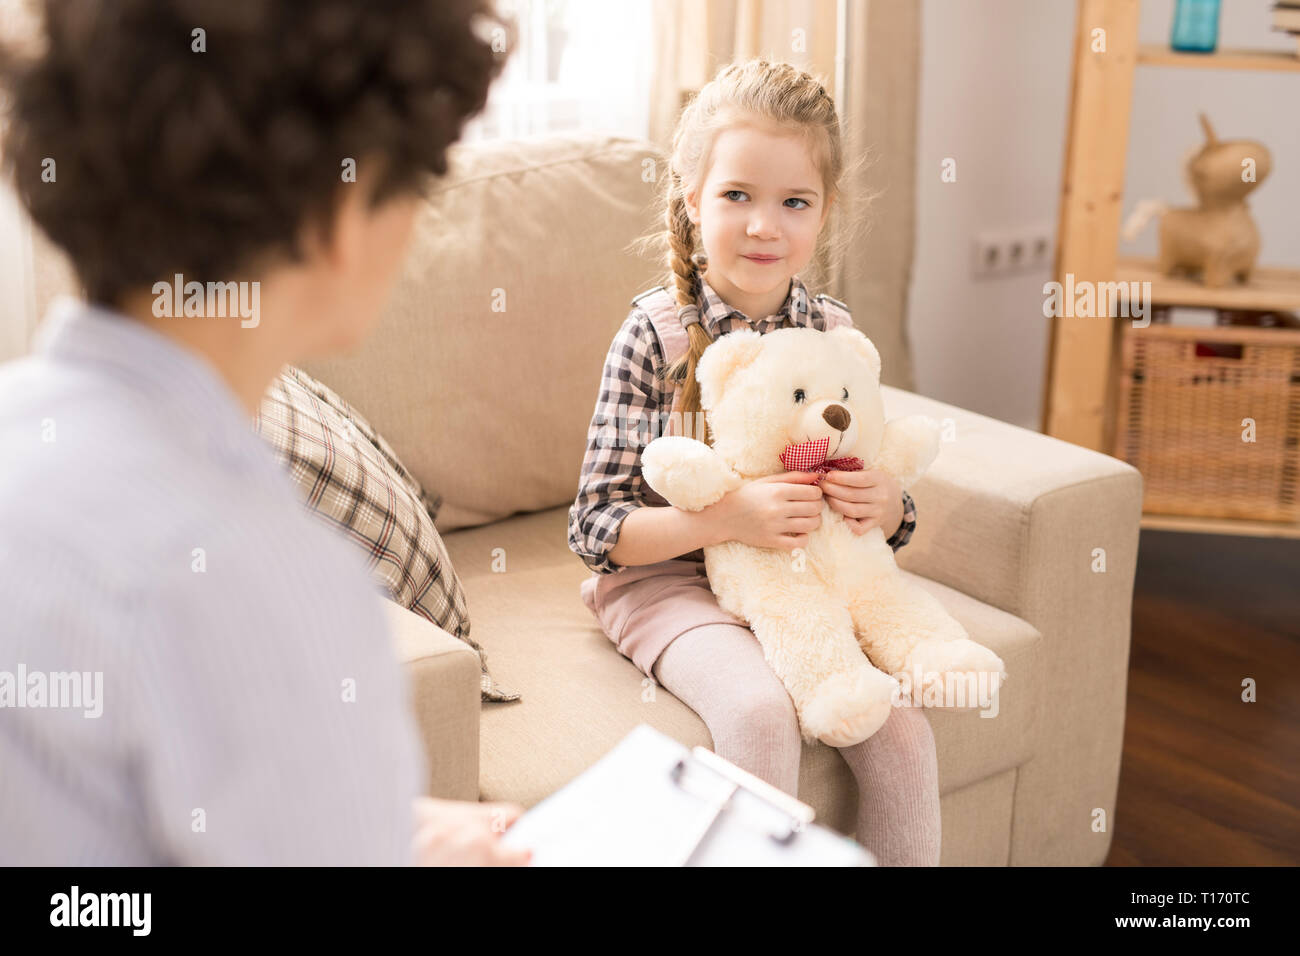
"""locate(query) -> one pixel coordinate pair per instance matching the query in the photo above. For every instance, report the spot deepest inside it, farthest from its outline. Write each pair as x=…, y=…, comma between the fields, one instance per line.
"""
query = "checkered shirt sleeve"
x=610, y=487
x=904, y=532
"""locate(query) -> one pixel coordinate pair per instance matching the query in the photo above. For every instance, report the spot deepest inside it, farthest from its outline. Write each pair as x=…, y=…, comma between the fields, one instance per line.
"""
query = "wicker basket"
x=1182, y=395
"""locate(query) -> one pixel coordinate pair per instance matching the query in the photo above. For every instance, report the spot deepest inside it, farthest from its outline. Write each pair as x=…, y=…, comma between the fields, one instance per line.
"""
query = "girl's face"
x=759, y=210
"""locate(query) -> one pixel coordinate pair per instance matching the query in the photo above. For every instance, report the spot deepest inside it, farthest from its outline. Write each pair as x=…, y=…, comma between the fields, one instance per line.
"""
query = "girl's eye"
x=733, y=192
x=796, y=199
x=846, y=396
x=798, y=395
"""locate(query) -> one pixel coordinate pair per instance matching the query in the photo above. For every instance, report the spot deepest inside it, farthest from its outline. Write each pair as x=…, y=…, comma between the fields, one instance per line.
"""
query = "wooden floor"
x=1208, y=780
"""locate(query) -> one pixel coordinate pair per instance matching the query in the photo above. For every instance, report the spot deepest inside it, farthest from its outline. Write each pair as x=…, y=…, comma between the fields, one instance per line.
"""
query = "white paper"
x=626, y=810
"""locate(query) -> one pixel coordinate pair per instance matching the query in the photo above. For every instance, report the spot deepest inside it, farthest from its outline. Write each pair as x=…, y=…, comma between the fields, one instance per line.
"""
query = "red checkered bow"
x=811, y=456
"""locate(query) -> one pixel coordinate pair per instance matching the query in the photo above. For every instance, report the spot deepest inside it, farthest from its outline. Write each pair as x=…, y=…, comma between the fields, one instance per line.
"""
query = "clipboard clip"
x=797, y=814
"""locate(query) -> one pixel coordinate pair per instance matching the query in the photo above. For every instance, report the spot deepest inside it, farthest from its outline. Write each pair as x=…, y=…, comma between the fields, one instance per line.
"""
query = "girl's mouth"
x=763, y=260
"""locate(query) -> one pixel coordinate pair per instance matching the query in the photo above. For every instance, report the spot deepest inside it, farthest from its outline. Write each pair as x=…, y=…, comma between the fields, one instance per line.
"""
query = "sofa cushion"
x=580, y=696
x=350, y=478
x=494, y=338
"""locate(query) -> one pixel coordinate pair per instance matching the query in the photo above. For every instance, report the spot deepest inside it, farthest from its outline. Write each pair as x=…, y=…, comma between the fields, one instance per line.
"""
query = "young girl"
x=756, y=164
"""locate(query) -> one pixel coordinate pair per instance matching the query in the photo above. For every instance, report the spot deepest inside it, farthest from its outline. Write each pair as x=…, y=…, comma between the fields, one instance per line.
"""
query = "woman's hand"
x=866, y=499
x=461, y=833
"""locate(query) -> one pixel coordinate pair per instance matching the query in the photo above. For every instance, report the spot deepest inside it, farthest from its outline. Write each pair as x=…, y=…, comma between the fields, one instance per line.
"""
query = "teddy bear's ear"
x=852, y=338
x=721, y=360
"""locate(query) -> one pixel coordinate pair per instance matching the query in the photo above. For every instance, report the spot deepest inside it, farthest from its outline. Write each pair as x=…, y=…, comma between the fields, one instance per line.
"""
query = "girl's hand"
x=778, y=511
x=866, y=499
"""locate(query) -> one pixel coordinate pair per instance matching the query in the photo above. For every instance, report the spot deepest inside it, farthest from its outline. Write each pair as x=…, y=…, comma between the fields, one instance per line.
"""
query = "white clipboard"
x=650, y=802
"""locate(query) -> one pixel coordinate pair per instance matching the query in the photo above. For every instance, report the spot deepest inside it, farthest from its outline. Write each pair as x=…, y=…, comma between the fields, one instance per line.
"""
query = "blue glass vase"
x=1196, y=26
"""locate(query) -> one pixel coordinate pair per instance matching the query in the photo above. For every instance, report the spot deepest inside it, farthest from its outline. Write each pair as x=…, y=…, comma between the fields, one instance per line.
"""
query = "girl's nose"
x=762, y=226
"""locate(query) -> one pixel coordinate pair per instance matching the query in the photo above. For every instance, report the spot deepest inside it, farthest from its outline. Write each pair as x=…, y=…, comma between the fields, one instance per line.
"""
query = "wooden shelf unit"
x=1151, y=54
x=1079, y=397
x=1269, y=289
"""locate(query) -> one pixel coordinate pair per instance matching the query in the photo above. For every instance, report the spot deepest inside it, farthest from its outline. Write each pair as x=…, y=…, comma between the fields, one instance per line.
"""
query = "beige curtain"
x=867, y=52
x=32, y=270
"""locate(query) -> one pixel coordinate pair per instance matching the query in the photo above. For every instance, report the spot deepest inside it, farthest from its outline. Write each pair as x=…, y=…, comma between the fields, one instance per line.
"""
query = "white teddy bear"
x=815, y=613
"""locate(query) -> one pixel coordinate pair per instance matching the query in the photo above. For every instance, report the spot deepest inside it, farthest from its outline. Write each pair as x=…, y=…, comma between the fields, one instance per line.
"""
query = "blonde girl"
x=756, y=166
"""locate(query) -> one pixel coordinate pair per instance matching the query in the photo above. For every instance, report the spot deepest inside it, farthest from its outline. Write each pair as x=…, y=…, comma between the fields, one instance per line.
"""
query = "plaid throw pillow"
x=351, y=479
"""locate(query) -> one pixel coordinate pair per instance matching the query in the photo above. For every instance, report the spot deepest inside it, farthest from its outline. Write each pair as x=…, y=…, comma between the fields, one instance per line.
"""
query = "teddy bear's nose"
x=837, y=416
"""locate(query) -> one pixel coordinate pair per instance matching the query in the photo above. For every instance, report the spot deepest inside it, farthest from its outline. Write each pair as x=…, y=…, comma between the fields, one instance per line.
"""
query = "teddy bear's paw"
x=846, y=709
x=854, y=730
x=939, y=666
x=687, y=473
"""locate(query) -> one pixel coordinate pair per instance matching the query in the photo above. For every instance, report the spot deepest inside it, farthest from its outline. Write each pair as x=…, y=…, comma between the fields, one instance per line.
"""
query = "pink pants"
x=642, y=609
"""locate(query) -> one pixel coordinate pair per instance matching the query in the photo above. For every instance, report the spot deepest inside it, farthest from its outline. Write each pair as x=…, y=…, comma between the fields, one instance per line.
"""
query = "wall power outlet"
x=1000, y=253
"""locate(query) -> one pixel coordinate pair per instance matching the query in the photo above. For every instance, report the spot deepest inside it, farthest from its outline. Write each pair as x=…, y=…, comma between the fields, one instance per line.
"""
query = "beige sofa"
x=483, y=375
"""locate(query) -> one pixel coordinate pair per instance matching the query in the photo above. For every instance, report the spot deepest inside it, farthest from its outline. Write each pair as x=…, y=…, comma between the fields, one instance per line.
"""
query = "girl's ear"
x=722, y=360
x=849, y=337
x=692, y=207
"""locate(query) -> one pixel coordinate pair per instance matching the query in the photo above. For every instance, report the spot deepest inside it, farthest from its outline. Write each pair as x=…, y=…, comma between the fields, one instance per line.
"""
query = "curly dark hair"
x=170, y=159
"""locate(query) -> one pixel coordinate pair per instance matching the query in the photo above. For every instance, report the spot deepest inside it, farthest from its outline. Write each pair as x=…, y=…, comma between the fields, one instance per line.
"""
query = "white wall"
x=994, y=95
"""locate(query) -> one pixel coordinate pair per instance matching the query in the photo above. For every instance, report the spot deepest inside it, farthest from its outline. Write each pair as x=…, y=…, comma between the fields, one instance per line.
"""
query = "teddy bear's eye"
x=798, y=395
x=846, y=396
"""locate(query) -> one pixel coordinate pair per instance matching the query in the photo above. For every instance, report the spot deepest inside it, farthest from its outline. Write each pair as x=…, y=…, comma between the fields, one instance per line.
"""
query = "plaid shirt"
x=631, y=391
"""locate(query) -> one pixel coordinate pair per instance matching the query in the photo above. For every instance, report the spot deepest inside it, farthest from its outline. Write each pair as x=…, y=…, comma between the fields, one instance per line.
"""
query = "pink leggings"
x=718, y=670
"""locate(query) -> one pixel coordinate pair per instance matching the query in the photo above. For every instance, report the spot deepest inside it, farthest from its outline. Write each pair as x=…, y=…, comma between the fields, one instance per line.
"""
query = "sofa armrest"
x=444, y=687
x=1047, y=531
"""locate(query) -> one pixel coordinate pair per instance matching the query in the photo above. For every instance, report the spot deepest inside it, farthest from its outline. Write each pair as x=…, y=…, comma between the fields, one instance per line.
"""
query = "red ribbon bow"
x=811, y=456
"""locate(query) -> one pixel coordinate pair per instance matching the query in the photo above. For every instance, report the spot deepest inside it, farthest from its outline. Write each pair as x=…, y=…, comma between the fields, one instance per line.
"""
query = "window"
x=577, y=65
